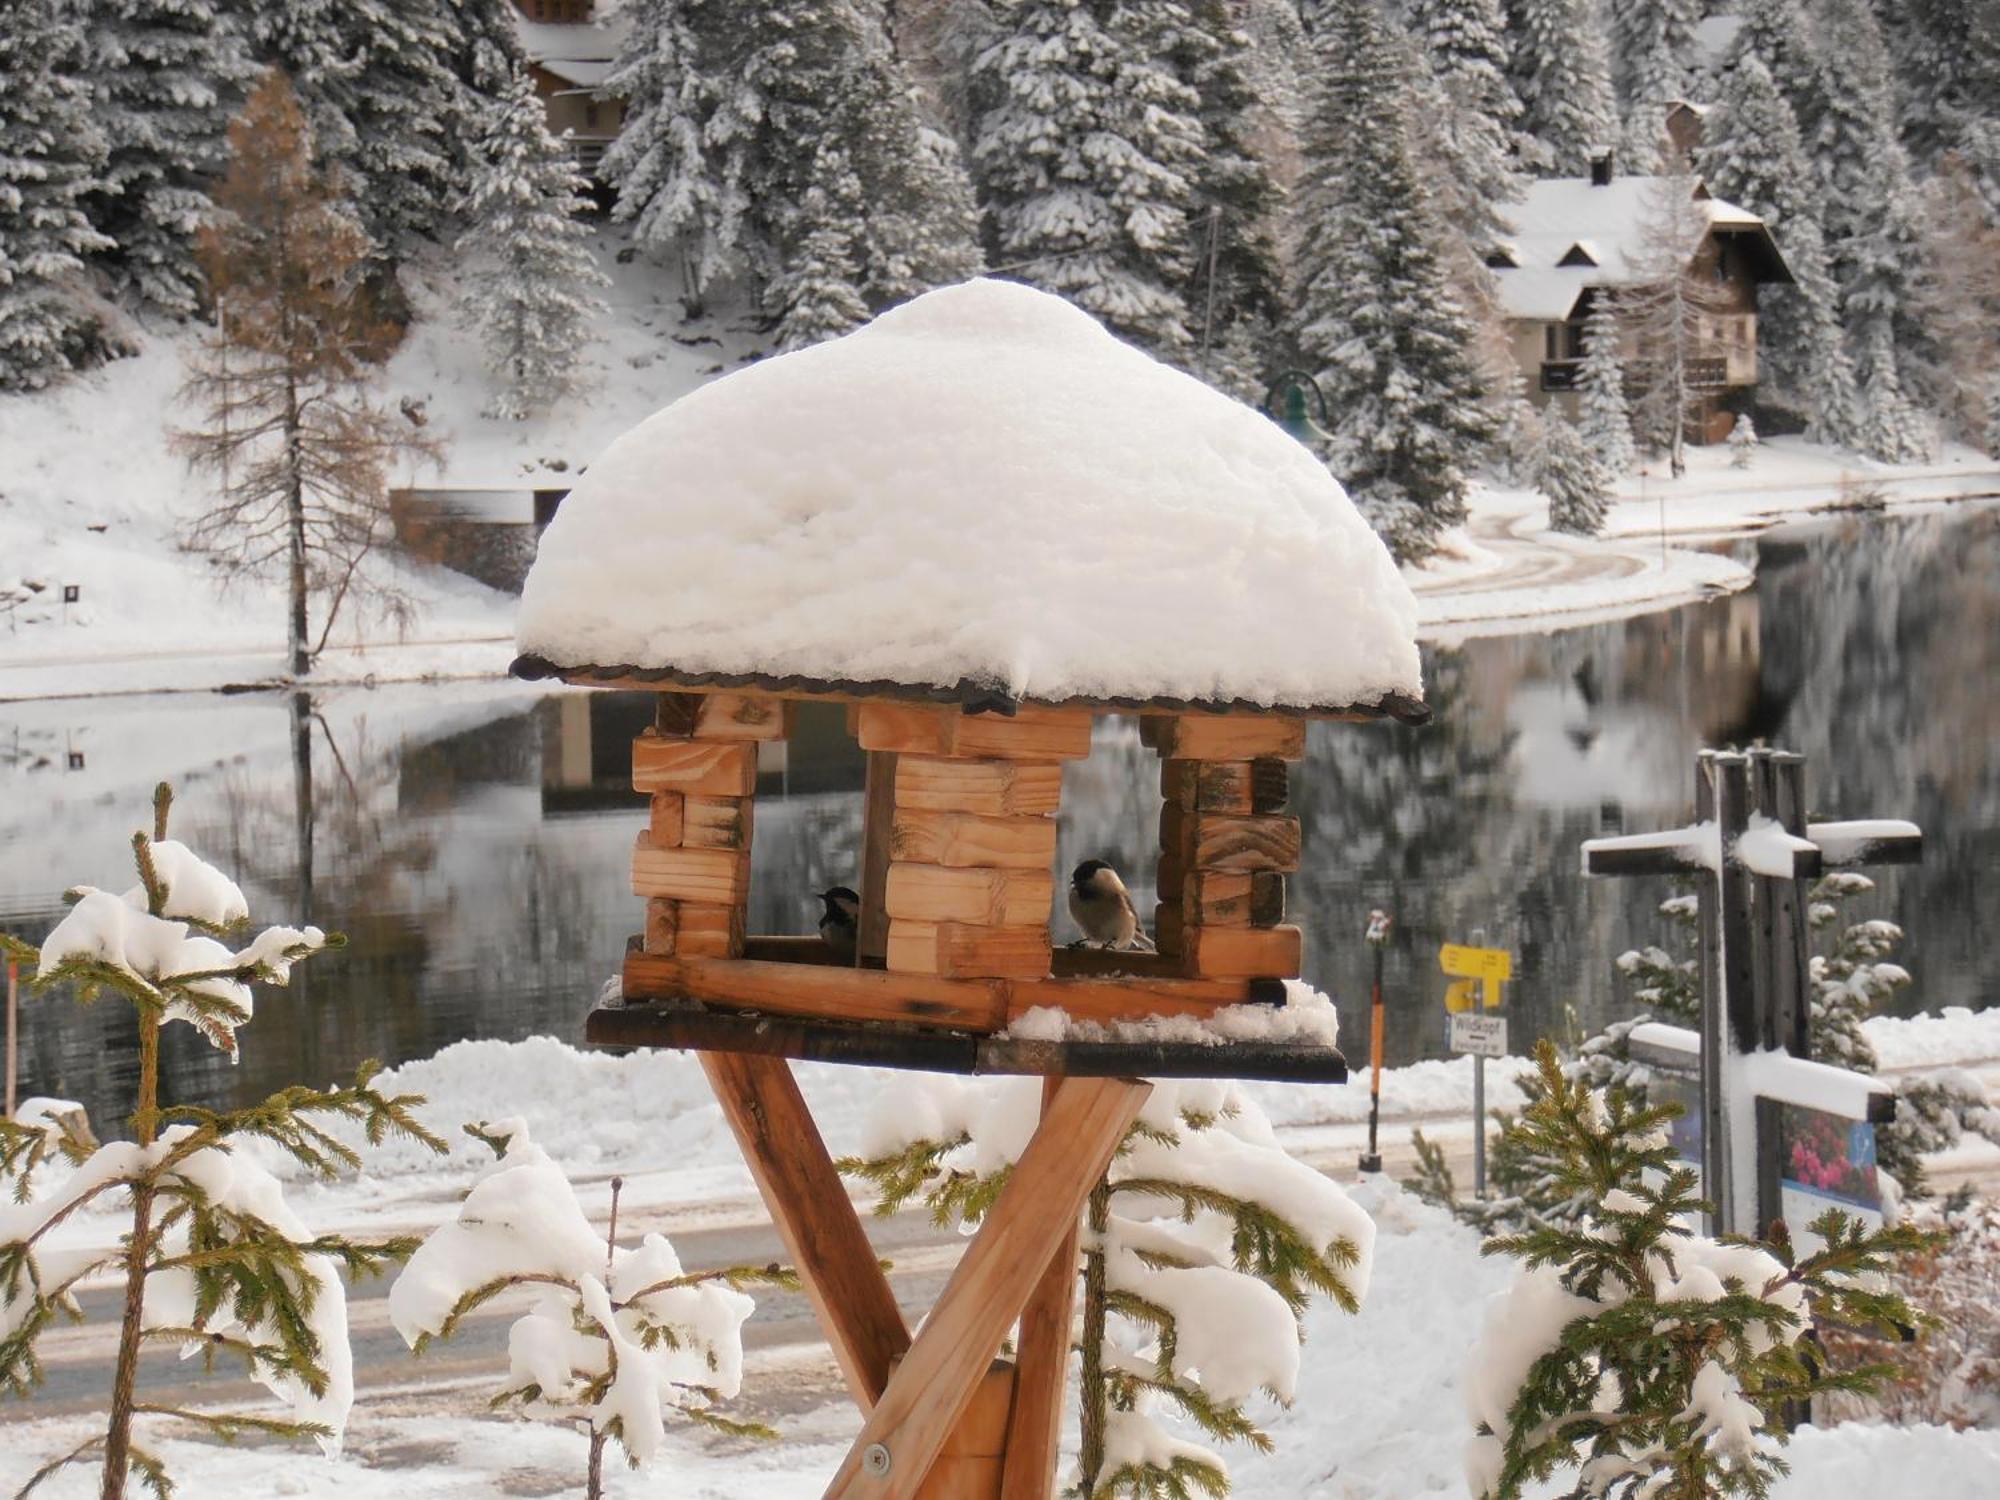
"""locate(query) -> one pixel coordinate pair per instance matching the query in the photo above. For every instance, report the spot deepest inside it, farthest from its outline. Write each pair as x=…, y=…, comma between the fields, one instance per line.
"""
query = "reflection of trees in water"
x=1883, y=640
x=477, y=909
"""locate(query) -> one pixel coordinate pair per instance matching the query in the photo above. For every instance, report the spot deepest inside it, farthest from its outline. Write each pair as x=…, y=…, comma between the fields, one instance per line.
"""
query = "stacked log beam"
x=966, y=873
x=698, y=763
x=1226, y=844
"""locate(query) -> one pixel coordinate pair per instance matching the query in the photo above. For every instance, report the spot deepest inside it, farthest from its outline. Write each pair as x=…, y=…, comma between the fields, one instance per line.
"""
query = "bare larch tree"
x=287, y=426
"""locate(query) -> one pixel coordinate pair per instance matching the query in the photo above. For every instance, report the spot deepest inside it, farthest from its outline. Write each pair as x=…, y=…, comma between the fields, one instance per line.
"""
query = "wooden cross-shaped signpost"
x=1754, y=852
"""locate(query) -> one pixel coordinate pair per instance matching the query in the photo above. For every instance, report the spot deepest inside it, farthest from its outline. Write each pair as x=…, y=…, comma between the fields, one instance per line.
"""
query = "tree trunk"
x=594, y=1480
x=295, y=522
x=1095, y=1395
x=124, y=1379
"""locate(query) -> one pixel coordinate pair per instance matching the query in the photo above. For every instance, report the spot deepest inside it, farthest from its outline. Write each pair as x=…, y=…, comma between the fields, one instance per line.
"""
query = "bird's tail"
x=1140, y=944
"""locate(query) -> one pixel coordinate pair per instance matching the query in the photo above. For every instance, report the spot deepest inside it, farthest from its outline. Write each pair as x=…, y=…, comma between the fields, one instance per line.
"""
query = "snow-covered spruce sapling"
x=1576, y=485
x=1201, y=1248
x=1644, y=1358
x=1742, y=442
x=531, y=286
x=213, y=1259
x=615, y=1338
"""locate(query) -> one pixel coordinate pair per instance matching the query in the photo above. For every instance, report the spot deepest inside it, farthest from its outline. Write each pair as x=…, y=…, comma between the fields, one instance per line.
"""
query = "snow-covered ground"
x=92, y=495
x=1382, y=1418
x=1505, y=571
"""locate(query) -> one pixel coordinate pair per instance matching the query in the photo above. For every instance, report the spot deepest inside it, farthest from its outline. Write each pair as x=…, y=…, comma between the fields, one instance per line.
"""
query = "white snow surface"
x=981, y=484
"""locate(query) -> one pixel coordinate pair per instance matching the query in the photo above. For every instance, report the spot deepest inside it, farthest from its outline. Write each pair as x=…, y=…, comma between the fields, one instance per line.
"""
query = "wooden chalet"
x=570, y=49
x=965, y=785
x=1579, y=238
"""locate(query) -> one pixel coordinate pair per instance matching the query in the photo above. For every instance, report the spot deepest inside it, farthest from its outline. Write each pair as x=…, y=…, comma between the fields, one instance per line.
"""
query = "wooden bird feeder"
x=958, y=888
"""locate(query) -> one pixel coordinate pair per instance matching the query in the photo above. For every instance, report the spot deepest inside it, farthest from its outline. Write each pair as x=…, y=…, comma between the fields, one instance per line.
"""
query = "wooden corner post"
x=1226, y=843
x=692, y=863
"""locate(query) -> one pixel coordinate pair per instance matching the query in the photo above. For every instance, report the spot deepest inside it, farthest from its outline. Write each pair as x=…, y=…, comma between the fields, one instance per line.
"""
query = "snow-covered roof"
x=981, y=492
x=585, y=73
x=1558, y=215
x=573, y=41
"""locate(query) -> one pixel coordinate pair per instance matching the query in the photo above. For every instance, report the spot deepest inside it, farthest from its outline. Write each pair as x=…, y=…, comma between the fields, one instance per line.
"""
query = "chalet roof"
x=554, y=42
x=981, y=496
x=1558, y=215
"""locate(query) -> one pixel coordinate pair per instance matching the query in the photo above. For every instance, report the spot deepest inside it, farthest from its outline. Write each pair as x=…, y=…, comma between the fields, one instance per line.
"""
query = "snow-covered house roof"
x=981, y=496
x=556, y=43
x=1607, y=222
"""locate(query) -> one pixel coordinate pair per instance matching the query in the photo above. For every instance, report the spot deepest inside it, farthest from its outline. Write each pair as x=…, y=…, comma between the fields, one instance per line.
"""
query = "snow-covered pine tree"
x=616, y=1339
x=915, y=224
x=1604, y=421
x=166, y=76
x=51, y=153
x=1570, y=475
x=1202, y=1248
x=1778, y=32
x=531, y=283
x=729, y=108
x=1947, y=55
x=377, y=83
x=817, y=294
x=1376, y=320
x=1236, y=292
x=1467, y=122
x=1084, y=151
x=1652, y=53
x=1637, y=1356
x=1874, y=236
x=669, y=181
x=1463, y=44
x=281, y=388
x=214, y=1259
x=1751, y=155
x=1958, y=296
x=1562, y=73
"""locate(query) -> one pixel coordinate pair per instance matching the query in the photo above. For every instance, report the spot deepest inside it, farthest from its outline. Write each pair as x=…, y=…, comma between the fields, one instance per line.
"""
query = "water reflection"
x=473, y=840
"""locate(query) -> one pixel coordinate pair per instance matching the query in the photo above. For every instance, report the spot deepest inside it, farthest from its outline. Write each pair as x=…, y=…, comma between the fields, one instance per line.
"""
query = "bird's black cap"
x=1081, y=875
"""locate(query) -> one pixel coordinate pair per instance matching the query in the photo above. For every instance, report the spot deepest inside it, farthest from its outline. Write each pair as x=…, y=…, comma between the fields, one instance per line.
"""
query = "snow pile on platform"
x=981, y=484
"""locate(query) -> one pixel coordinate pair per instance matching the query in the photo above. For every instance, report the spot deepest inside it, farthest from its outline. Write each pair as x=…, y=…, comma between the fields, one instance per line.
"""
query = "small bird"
x=839, y=921
x=1102, y=908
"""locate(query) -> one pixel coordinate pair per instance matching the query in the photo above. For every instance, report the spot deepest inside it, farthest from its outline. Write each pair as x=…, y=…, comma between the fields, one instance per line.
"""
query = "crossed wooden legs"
x=1021, y=1264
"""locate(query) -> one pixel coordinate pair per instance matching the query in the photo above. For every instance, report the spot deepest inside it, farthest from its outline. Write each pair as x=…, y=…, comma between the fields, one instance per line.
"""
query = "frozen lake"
x=472, y=839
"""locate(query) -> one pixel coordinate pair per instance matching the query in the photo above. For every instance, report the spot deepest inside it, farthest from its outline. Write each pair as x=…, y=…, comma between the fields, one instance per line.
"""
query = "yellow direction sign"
x=1461, y=995
x=1475, y=963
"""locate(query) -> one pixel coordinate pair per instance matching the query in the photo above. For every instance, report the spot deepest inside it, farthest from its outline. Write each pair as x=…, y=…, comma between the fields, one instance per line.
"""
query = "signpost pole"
x=13, y=1013
x=1378, y=939
x=1479, y=1091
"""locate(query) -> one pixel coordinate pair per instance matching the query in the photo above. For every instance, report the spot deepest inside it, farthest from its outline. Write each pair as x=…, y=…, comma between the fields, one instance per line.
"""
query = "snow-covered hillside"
x=93, y=495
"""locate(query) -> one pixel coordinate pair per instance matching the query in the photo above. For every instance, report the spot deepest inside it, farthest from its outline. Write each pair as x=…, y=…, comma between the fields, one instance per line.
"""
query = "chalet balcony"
x=588, y=150
x=1708, y=374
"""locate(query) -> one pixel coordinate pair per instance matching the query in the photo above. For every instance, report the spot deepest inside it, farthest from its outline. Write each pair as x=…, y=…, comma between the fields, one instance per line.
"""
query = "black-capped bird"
x=839, y=921
x=1102, y=908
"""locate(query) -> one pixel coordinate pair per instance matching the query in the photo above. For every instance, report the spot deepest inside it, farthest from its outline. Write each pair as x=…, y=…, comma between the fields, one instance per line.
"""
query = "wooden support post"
x=1041, y=1368
x=1036, y=1212
x=1728, y=970
x=814, y=1217
x=878, y=808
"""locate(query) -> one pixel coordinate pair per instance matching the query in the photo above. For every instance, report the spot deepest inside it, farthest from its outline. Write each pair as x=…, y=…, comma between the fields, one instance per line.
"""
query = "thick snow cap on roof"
x=984, y=487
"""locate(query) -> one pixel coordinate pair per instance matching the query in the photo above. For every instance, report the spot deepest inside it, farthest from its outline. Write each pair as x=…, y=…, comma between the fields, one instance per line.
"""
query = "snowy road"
x=790, y=1369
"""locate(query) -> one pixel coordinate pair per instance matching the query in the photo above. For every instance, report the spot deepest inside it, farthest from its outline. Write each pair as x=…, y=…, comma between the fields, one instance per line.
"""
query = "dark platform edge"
x=692, y=1026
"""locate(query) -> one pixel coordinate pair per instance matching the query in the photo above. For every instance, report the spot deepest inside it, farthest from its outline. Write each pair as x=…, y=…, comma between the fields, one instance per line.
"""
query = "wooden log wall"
x=692, y=863
x=1226, y=844
x=966, y=869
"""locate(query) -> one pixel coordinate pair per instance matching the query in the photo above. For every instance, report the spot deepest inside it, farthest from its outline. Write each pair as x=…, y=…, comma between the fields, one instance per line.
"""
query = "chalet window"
x=590, y=115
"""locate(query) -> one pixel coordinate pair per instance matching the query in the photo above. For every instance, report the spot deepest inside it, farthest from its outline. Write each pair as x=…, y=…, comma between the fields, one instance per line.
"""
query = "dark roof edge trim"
x=971, y=695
